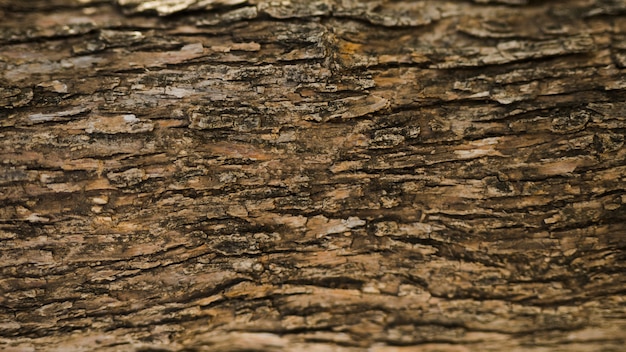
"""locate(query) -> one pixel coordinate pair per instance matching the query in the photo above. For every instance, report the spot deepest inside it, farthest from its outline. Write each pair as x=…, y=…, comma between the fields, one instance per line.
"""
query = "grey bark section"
x=312, y=175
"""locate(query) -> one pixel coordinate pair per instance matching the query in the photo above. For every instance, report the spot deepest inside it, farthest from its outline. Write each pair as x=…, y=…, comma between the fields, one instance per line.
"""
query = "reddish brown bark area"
x=329, y=175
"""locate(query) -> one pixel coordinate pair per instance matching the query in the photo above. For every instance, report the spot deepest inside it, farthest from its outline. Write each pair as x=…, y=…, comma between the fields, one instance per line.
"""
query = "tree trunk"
x=330, y=175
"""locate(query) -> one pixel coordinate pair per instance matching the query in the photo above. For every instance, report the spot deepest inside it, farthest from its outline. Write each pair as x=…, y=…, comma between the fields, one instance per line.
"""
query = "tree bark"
x=330, y=175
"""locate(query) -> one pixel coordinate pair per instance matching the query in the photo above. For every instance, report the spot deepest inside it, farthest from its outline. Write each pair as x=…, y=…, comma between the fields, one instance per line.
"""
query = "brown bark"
x=328, y=175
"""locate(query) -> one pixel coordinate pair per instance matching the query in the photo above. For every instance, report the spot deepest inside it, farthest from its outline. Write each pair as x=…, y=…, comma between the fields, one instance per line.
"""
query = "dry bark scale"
x=332, y=175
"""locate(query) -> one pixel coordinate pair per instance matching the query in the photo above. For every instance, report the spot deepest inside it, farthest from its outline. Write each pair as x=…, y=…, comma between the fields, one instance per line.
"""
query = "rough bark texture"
x=329, y=175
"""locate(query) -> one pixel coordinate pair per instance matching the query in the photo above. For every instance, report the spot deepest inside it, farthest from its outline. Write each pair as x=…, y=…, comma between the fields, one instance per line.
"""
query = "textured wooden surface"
x=323, y=175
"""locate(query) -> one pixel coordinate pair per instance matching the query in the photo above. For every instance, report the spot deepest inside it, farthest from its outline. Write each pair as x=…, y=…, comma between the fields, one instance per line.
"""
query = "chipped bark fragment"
x=328, y=175
x=168, y=7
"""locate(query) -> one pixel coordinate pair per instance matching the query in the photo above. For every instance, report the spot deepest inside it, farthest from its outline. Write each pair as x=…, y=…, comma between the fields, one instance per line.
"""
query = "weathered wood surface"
x=323, y=175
